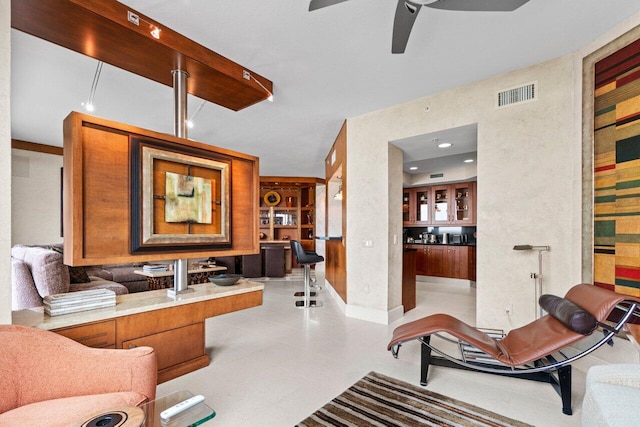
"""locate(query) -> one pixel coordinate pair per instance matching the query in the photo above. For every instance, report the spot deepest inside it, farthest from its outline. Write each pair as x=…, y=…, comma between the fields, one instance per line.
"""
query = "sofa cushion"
x=50, y=275
x=23, y=294
x=76, y=274
x=69, y=410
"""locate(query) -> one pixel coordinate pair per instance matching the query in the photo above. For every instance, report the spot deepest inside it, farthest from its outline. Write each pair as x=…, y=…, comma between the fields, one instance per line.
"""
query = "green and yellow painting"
x=187, y=199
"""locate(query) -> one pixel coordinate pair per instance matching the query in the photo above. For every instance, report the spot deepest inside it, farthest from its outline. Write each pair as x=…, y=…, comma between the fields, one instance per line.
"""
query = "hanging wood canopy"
x=101, y=29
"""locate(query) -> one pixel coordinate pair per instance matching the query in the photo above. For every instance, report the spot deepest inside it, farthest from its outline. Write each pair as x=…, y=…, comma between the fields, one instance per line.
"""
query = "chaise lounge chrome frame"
x=554, y=367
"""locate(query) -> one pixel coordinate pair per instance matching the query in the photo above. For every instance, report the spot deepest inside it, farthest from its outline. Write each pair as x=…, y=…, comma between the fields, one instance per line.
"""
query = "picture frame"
x=154, y=164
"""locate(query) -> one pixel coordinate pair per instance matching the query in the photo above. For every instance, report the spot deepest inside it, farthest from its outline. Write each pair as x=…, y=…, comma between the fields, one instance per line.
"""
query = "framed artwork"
x=180, y=197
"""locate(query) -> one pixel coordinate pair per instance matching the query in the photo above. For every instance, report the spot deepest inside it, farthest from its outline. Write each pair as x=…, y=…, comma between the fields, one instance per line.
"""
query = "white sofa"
x=612, y=396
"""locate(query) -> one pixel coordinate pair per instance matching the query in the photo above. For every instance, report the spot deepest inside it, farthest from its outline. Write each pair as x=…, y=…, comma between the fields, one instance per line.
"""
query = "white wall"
x=35, y=201
x=5, y=162
x=529, y=187
x=525, y=173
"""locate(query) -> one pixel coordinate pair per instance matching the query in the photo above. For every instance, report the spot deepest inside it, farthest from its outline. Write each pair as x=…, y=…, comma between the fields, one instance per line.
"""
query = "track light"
x=193, y=116
x=89, y=106
x=338, y=195
x=155, y=33
x=247, y=75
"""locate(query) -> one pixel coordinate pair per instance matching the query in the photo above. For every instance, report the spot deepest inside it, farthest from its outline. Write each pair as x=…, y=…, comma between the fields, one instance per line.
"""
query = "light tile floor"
x=275, y=364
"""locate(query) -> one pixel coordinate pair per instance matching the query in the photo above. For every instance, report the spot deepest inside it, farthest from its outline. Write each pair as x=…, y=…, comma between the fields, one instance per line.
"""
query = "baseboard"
x=362, y=313
x=446, y=280
x=338, y=300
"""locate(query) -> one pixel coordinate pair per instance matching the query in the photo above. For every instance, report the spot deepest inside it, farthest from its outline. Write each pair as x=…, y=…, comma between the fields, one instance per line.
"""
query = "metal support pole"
x=180, y=103
x=180, y=266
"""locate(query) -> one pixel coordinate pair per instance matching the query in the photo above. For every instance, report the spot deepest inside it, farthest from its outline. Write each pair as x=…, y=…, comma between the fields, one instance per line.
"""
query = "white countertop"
x=135, y=303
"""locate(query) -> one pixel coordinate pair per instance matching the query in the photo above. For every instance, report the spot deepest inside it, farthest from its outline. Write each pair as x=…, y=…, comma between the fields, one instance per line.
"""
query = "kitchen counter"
x=440, y=244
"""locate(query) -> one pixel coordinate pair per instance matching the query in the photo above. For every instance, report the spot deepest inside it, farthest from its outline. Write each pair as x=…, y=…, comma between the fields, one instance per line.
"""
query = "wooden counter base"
x=175, y=329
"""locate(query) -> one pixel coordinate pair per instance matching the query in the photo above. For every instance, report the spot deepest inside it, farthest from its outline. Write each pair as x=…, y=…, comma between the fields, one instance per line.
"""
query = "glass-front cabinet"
x=439, y=205
x=415, y=206
x=463, y=212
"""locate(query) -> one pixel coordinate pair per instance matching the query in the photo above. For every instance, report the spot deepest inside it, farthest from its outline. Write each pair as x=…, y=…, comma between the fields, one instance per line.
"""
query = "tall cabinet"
x=287, y=209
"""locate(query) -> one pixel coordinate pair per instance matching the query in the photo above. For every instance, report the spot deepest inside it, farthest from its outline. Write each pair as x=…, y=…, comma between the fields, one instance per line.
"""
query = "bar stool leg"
x=307, y=302
x=307, y=278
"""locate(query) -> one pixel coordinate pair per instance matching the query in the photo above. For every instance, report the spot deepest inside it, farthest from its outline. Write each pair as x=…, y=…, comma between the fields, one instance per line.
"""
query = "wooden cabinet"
x=97, y=334
x=409, y=279
x=454, y=204
x=287, y=209
x=176, y=333
x=435, y=261
x=456, y=262
x=190, y=347
x=421, y=258
x=415, y=206
x=451, y=204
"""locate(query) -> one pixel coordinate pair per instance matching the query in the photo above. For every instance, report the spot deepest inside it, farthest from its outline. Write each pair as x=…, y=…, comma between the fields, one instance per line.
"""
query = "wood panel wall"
x=336, y=264
x=96, y=194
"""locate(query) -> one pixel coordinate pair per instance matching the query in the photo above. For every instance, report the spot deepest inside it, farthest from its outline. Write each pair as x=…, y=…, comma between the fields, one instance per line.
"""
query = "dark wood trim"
x=264, y=180
x=33, y=146
x=100, y=29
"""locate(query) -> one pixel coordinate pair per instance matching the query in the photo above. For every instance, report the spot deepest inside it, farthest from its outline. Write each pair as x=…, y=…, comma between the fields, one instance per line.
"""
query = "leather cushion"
x=569, y=314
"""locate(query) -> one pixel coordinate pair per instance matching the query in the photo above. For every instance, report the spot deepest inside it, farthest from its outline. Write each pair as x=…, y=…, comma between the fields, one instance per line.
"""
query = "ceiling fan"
x=407, y=11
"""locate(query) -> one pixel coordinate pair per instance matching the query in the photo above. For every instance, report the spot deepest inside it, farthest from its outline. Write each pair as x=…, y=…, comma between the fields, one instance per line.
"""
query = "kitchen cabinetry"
x=421, y=258
x=451, y=204
x=287, y=209
x=409, y=279
x=457, y=262
x=454, y=204
x=415, y=206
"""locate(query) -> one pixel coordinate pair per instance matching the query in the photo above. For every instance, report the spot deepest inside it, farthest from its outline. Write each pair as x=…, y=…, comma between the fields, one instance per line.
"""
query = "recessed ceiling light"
x=445, y=145
x=413, y=168
x=469, y=161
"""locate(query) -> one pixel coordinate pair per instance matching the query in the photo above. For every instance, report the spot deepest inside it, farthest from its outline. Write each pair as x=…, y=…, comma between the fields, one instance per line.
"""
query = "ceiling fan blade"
x=319, y=4
x=406, y=13
x=478, y=5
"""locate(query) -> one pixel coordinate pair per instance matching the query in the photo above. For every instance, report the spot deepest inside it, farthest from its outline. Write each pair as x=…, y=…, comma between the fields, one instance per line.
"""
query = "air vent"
x=436, y=175
x=517, y=95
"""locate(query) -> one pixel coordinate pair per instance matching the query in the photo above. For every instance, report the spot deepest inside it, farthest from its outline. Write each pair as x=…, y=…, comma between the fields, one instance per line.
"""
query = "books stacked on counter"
x=73, y=302
x=155, y=268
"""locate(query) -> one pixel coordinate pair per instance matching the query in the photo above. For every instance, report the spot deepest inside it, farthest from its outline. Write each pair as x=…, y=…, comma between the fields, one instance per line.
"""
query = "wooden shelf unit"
x=293, y=217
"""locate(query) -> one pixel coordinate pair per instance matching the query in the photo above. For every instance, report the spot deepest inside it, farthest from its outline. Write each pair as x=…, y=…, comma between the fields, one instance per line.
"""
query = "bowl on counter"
x=225, y=279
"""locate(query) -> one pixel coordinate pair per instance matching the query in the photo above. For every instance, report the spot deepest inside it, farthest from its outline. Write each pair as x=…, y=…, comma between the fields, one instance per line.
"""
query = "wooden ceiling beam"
x=101, y=29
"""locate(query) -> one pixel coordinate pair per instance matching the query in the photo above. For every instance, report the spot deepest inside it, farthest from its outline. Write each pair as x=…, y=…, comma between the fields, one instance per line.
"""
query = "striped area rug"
x=378, y=400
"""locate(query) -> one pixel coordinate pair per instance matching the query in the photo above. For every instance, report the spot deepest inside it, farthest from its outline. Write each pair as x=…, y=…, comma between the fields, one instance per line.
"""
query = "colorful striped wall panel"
x=617, y=171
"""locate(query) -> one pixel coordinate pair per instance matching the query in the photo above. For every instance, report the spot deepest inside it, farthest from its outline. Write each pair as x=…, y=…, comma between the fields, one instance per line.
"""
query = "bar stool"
x=306, y=258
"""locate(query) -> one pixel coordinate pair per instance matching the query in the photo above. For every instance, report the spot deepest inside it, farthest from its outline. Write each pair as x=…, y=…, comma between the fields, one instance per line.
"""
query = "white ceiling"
x=327, y=65
x=422, y=151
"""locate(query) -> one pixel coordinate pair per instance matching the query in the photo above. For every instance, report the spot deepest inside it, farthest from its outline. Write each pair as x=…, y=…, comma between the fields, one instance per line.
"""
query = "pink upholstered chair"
x=47, y=379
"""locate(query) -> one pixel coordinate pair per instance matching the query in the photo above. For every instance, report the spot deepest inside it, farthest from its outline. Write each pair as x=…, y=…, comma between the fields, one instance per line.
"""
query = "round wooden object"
x=128, y=416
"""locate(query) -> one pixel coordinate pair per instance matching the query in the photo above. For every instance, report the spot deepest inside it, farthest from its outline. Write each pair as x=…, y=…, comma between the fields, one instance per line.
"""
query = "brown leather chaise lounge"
x=537, y=351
